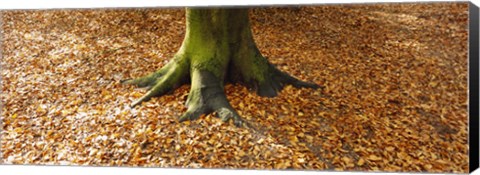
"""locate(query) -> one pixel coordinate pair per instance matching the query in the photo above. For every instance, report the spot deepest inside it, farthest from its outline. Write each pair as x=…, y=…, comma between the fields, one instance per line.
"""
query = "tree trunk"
x=218, y=47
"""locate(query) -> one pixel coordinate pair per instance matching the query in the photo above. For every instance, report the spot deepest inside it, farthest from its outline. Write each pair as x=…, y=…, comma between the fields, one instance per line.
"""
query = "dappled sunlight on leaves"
x=395, y=96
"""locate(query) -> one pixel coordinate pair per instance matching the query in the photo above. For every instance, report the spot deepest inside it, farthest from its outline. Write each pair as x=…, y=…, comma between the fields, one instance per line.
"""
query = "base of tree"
x=207, y=93
x=218, y=47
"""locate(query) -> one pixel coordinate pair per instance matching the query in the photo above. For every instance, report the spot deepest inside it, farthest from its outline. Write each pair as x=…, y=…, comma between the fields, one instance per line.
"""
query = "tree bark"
x=218, y=47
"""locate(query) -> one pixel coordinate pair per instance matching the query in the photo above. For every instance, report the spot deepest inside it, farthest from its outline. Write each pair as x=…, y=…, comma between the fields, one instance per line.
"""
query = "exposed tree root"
x=207, y=95
x=276, y=80
x=255, y=72
x=207, y=91
x=166, y=79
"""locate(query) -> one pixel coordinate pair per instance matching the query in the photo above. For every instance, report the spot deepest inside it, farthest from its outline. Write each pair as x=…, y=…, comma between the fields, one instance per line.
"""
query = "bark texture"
x=218, y=47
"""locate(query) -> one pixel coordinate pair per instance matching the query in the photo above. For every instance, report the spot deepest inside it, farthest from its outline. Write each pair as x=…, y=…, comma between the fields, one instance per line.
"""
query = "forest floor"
x=395, y=96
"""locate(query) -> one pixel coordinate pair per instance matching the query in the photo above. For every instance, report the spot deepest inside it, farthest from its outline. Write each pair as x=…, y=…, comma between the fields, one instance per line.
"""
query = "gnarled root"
x=207, y=89
x=207, y=95
x=275, y=80
x=168, y=78
x=257, y=73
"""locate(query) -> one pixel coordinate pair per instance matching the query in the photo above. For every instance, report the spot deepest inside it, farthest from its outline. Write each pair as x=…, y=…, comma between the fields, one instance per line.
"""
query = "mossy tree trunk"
x=218, y=47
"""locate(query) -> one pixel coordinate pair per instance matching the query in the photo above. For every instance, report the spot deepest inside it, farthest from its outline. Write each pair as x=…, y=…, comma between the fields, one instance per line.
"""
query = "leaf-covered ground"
x=395, y=96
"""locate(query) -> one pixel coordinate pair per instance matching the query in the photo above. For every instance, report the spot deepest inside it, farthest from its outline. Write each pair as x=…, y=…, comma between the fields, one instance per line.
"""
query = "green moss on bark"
x=218, y=45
